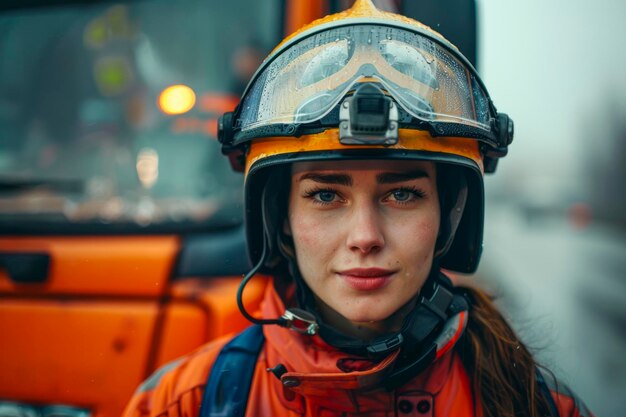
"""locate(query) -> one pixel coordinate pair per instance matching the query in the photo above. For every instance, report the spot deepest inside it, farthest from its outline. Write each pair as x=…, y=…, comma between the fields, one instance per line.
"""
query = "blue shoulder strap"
x=543, y=386
x=228, y=383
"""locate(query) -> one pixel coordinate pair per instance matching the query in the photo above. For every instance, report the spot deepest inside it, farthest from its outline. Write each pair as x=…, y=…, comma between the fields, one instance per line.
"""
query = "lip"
x=366, y=279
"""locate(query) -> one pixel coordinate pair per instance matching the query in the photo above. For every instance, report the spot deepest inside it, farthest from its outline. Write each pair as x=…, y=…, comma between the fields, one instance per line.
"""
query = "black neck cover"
x=437, y=302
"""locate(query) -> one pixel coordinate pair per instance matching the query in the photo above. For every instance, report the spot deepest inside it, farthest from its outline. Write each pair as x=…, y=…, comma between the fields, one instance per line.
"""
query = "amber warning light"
x=177, y=99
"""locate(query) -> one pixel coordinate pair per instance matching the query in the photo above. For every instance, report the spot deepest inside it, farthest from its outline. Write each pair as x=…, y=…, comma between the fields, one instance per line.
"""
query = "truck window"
x=108, y=113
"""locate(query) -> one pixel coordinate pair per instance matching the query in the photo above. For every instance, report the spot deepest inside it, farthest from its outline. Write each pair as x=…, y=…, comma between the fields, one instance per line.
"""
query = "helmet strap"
x=436, y=303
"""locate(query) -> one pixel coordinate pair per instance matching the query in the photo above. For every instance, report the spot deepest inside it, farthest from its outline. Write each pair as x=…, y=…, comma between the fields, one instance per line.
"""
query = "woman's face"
x=364, y=234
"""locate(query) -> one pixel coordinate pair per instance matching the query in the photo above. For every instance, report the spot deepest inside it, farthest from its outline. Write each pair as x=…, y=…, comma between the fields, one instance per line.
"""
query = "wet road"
x=565, y=292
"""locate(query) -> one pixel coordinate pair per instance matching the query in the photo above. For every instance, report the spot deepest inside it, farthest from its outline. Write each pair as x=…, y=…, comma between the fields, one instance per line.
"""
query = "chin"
x=368, y=314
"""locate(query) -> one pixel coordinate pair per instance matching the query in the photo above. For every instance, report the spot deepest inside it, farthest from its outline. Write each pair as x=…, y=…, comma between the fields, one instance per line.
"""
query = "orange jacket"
x=321, y=381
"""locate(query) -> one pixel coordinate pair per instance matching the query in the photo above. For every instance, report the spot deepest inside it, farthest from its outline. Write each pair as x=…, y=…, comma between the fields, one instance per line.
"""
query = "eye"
x=405, y=195
x=326, y=196
x=402, y=195
x=322, y=197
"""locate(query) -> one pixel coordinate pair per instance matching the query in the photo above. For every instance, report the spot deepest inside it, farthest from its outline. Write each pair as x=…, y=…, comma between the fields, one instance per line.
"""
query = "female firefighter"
x=364, y=138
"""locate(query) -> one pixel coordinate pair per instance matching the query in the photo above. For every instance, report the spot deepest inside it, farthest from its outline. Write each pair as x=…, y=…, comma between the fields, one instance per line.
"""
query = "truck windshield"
x=108, y=112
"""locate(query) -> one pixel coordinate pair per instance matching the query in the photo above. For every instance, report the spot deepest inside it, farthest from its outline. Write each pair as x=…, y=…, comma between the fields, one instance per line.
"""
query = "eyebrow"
x=340, y=179
x=394, y=177
x=383, y=178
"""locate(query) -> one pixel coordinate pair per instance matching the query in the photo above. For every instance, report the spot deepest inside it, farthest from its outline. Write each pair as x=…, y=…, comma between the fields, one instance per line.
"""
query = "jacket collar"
x=326, y=377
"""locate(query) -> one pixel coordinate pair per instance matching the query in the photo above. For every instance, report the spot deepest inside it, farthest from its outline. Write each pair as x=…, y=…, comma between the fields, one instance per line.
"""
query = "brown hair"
x=502, y=370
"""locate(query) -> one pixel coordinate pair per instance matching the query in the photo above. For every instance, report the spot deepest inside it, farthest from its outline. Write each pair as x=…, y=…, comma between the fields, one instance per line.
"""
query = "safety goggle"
x=301, y=85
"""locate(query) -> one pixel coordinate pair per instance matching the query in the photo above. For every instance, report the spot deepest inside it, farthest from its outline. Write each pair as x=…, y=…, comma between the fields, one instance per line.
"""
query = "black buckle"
x=439, y=302
x=386, y=345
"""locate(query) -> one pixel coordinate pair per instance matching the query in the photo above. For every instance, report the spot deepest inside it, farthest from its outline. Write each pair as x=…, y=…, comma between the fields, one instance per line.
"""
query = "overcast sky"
x=554, y=66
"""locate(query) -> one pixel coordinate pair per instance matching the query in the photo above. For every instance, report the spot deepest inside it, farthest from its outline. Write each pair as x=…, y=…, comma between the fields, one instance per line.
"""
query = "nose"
x=365, y=230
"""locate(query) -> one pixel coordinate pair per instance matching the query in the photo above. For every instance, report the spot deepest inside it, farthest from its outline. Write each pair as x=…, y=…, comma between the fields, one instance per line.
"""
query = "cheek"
x=310, y=236
x=429, y=231
x=418, y=238
x=305, y=233
x=430, y=223
x=310, y=228
x=314, y=252
x=305, y=229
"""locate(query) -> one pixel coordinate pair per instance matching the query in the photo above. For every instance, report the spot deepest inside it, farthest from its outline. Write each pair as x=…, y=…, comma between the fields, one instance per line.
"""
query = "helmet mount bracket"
x=368, y=117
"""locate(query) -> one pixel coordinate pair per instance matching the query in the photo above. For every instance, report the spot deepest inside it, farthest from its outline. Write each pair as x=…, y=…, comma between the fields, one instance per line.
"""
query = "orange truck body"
x=112, y=309
x=109, y=314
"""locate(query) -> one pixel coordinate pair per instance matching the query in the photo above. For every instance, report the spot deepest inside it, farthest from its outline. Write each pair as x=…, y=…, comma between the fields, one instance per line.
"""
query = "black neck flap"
x=436, y=303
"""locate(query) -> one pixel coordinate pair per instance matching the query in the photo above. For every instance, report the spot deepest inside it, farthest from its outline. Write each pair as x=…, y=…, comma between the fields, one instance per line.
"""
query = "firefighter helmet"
x=368, y=84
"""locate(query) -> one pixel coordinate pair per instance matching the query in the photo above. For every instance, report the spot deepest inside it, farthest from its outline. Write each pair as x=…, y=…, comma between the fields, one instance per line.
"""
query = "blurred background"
x=108, y=114
x=555, y=238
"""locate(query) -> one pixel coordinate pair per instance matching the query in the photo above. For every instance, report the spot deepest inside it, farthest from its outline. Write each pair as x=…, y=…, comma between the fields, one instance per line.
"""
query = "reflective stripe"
x=451, y=332
x=153, y=380
x=409, y=140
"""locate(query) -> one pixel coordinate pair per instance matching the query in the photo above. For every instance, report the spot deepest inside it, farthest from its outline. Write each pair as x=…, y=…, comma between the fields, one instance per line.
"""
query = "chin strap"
x=417, y=339
x=425, y=325
x=437, y=302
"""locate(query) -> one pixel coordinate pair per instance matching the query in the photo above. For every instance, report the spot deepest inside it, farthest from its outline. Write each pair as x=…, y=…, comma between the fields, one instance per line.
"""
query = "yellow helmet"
x=367, y=84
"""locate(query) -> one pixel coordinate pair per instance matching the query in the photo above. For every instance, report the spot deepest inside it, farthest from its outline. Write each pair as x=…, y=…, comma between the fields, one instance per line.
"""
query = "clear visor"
x=307, y=80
